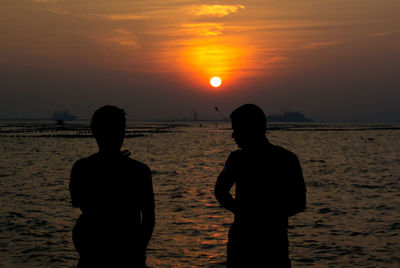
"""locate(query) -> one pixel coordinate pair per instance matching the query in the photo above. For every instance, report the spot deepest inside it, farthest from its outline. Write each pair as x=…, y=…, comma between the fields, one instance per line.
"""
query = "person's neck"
x=109, y=151
x=256, y=144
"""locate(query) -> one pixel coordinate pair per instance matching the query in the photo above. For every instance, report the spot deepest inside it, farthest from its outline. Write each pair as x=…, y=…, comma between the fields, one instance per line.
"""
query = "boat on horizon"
x=63, y=115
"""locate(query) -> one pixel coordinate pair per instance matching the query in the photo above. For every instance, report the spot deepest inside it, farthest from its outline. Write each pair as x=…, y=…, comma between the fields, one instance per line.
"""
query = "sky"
x=333, y=60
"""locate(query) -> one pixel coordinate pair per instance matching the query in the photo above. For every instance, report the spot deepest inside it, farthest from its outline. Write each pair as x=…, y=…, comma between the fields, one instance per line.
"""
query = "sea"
x=351, y=171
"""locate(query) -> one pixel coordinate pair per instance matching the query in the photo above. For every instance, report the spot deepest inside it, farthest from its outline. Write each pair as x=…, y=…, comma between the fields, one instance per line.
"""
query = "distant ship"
x=289, y=117
x=63, y=115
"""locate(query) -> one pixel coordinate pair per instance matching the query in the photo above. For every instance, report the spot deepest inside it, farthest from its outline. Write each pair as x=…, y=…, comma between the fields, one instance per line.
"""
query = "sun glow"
x=206, y=59
x=216, y=81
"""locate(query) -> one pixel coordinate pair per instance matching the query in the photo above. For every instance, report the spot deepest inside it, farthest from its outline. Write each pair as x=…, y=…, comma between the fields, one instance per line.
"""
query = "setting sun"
x=215, y=81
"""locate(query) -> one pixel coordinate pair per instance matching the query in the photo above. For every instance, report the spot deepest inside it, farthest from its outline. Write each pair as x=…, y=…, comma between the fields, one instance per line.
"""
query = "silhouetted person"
x=115, y=195
x=269, y=189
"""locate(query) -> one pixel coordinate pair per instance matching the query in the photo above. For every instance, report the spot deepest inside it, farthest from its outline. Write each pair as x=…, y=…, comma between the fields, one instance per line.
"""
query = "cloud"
x=317, y=45
x=276, y=59
x=382, y=34
x=119, y=17
x=197, y=10
x=45, y=1
x=125, y=38
x=203, y=29
x=59, y=11
x=215, y=10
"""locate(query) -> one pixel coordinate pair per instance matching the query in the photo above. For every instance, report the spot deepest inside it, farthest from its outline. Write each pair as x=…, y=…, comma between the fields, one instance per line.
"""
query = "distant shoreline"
x=87, y=120
x=81, y=129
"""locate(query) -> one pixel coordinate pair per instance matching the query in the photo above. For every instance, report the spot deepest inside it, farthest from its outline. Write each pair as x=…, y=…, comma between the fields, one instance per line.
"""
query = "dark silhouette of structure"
x=269, y=189
x=115, y=195
x=61, y=116
x=289, y=117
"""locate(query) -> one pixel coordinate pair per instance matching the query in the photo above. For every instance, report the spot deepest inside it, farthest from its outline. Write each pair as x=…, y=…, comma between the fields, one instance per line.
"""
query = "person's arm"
x=297, y=189
x=148, y=209
x=74, y=184
x=223, y=186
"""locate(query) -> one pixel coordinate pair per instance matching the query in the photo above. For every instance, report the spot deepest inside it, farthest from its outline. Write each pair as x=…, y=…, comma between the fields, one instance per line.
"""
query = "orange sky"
x=308, y=55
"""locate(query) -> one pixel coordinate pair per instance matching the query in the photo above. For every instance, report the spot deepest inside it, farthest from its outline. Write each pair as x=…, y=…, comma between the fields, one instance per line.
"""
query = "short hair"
x=250, y=116
x=108, y=119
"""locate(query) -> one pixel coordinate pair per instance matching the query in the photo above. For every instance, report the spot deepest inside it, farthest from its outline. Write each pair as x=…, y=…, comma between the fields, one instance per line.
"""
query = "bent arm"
x=297, y=191
x=148, y=209
x=222, y=189
x=148, y=223
x=75, y=184
x=300, y=206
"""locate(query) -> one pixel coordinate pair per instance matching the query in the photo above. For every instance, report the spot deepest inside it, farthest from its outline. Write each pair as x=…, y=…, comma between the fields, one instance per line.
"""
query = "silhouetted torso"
x=111, y=190
x=263, y=179
x=269, y=189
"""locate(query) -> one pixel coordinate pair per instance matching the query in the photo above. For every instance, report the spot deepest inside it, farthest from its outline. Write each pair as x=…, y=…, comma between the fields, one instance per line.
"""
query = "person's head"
x=108, y=127
x=249, y=125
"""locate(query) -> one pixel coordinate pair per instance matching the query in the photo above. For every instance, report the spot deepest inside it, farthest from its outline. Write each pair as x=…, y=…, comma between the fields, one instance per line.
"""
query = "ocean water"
x=352, y=174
